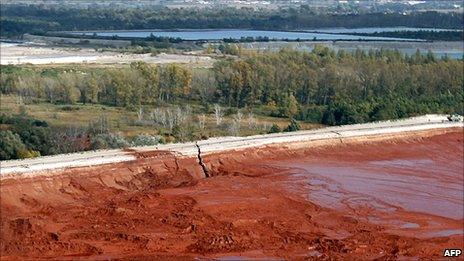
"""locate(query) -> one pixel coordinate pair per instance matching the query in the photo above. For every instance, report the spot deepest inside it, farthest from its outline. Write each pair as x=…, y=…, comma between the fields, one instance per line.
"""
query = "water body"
x=453, y=50
x=237, y=34
x=377, y=29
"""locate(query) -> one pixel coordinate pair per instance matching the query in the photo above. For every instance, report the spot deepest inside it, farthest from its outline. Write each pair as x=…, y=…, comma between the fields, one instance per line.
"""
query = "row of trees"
x=140, y=84
x=316, y=86
x=341, y=88
x=18, y=19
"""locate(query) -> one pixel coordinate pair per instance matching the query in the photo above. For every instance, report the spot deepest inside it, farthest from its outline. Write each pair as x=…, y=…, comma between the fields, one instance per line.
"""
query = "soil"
x=390, y=198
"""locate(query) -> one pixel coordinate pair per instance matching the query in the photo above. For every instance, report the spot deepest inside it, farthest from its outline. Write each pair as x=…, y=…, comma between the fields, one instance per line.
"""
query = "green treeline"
x=130, y=87
x=19, y=19
x=341, y=88
x=319, y=86
x=421, y=34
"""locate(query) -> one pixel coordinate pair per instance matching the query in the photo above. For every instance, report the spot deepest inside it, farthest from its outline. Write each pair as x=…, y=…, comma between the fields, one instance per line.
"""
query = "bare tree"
x=182, y=115
x=49, y=89
x=238, y=117
x=202, y=121
x=140, y=114
x=251, y=121
x=28, y=88
x=171, y=117
x=236, y=122
x=204, y=85
x=265, y=126
x=218, y=114
x=159, y=116
x=20, y=100
x=99, y=126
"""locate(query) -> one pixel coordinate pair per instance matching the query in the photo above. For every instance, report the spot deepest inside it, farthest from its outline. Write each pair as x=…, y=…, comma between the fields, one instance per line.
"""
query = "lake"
x=453, y=50
x=376, y=29
x=237, y=34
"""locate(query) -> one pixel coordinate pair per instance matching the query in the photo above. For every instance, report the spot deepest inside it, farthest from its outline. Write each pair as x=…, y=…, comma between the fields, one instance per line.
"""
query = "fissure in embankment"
x=200, y=161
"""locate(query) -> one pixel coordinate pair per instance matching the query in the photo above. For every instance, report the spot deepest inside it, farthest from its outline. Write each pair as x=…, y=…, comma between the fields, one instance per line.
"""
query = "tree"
x=291, y=106
x=383, y=112
x=49, y=89
x=93, y=88
x=150, y=90
x=175, y=82
x=218, y=114
x=204, y=86
x=66, y=91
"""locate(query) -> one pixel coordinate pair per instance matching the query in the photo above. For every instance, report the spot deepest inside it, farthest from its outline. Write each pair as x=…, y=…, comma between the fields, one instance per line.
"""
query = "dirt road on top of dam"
x=387, y=197
x=49, y=164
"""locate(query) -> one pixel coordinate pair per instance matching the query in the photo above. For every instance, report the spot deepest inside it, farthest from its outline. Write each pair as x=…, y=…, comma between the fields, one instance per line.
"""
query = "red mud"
x=382, y=198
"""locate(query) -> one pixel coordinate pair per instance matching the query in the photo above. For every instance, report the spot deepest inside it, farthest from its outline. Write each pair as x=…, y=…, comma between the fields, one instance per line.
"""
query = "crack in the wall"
x=339, y=134
x=200, y=161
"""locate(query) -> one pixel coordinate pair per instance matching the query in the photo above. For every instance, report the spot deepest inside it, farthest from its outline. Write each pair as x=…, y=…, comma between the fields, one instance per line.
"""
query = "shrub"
x=231, y=111
x=24, y=154
x=311, y=113
x=340, y=113
x=146, y=140
x=10, y=145
x=293, y=126
x=107, y=141
x=274, y=129
x=35, y=134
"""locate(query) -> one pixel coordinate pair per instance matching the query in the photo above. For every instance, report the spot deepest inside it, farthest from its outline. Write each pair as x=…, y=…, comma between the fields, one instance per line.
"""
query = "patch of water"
x=446, y=233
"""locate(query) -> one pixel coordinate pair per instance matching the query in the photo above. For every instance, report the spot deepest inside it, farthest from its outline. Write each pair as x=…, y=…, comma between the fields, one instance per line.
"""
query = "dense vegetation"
x=341, y=88
x=24, y=137
x=421, y=34
x=370, y=85
x=19, y=19
x=321, y=86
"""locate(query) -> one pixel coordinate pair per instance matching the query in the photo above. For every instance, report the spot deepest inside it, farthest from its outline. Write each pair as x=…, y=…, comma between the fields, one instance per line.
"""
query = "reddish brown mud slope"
x=388, y=198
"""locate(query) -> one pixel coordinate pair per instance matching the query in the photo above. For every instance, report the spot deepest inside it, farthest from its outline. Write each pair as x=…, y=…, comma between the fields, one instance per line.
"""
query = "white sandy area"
x=34, y=54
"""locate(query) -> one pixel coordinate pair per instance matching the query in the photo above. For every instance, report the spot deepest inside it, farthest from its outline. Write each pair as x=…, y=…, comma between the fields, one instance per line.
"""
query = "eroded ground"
x=388, y=199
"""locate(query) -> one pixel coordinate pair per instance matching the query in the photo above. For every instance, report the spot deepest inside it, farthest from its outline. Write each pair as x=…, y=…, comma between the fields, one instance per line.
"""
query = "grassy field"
x=125, y=122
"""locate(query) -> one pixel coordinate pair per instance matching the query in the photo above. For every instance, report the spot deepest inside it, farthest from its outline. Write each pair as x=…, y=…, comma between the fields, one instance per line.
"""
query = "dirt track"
x=50, y=164
x=377, y=197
